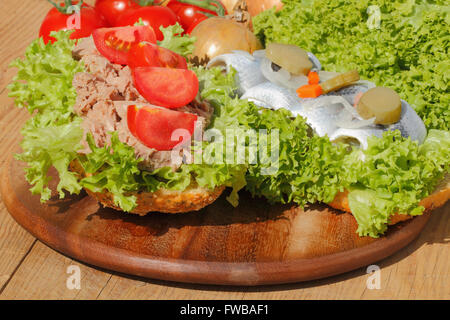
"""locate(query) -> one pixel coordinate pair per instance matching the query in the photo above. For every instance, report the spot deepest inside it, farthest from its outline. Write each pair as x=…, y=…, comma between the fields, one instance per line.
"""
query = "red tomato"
x=195, y=23
x=146, y=54
x=89, y=20
x=112, y=9
x=114, y=43
x=190, y=15
x=151, y=16
x=154, y=126
x=131, y=119
x=170, y=88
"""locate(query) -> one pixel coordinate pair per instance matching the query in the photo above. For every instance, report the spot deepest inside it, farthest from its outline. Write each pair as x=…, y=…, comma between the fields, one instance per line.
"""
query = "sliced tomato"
x=170, y=88
x=145, y=54
x=155, y=126
x=131, y=118
x=114, y=43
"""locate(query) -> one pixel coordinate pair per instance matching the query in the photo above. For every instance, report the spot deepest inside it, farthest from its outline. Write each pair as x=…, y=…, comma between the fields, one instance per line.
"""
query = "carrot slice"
x=313, y=77
x=309, y=91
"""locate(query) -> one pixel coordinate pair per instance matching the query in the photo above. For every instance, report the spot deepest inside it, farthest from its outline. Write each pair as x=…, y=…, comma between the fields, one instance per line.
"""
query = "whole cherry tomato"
x=112, y=9
x=65, y=17
x=155, y=17
x=191, y=12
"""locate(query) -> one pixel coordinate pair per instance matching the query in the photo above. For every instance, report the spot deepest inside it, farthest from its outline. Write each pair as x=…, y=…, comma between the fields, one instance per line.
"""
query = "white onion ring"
x=280, y=77
x=259, y=54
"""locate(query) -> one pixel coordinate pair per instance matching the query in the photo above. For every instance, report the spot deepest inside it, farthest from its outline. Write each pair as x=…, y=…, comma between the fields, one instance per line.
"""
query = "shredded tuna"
x=84, y=47
x=103, y=94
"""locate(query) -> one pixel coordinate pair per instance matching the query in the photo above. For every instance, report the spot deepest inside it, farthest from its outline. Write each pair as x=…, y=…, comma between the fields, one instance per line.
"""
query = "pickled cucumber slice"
x=341, y=80
x=290, y=57
x=382, y=103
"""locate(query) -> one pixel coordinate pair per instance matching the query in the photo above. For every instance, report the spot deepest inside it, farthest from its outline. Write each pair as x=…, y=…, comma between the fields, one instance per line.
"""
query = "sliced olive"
x=382, y=103
x=289, y=57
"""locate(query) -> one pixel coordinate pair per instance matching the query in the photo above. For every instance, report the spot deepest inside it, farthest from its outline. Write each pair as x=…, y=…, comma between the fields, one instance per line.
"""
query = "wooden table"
x=31, y=270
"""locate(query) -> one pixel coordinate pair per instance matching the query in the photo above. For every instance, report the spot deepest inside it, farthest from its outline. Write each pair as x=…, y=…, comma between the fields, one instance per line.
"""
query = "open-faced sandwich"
x=129, y=120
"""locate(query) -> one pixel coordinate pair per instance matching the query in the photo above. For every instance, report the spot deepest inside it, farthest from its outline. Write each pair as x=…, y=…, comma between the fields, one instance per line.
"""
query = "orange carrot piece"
x=309, y=91
x=313, y=77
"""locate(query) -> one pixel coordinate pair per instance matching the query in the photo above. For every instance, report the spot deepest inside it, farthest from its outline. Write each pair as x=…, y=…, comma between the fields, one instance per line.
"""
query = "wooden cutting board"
x=253, y=244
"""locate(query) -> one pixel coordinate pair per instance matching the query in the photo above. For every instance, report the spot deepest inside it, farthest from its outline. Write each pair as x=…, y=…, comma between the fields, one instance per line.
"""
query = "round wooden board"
x=253, y=244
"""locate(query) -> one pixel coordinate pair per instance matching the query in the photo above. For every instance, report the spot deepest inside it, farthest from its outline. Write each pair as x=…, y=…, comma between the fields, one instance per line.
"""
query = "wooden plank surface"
x=31, y=270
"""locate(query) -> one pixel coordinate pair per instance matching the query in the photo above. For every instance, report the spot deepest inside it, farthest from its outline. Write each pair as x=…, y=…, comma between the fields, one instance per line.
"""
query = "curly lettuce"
x=52, y=135
x=394, y=176
x=173, y=40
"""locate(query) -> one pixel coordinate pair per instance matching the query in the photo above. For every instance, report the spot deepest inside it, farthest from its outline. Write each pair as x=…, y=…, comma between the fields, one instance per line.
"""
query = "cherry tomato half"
x=114, y=43
x=151, y=16
x=84, y=24
x=112, y=9
x=154, y=127
x=145, y=54
x=166, y=87
x=131, y=118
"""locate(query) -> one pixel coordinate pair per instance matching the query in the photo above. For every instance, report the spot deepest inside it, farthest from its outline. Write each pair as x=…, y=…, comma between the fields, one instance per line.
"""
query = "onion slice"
x=343, y=121
x=280, y=77
x=347, y=118
x=259, y=54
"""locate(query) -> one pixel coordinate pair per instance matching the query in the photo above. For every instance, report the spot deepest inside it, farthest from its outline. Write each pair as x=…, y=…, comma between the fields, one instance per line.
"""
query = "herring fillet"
x=254, y=87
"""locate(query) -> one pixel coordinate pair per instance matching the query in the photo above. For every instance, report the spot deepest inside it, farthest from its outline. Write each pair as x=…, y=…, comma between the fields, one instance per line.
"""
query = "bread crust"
x=163, y=200
x=435, y=200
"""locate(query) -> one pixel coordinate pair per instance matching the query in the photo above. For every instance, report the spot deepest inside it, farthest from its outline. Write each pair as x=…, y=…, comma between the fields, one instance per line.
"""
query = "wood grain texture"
x=253, y=244
x=419, y=271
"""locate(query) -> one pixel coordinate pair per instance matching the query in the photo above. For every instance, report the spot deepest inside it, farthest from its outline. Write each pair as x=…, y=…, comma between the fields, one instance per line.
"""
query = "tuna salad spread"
x=104, y=91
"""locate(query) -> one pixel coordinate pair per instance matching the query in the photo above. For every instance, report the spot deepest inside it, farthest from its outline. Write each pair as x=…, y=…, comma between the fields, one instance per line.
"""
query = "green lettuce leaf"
x=113, y=168
x=52, y=135
x=173, y=40
x=395, y=175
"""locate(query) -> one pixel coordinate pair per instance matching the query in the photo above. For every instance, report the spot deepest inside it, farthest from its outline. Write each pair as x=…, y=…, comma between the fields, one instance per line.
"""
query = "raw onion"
x=282, y=77
x=254, y=6
x=229, y=5
x=216, y=36
x=347, y=118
